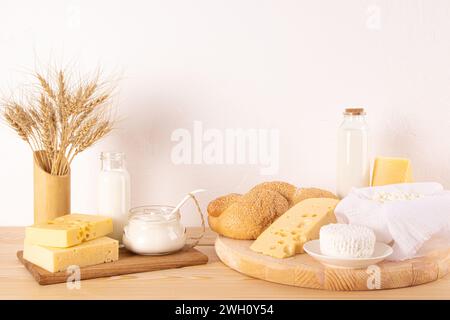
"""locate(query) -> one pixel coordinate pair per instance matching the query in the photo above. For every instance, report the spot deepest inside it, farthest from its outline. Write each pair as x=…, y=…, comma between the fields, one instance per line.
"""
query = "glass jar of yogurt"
x=154, y=230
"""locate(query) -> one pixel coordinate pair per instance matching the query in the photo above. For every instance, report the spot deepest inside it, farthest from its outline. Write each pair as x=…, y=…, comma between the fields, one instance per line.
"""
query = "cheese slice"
x=89, y=253
x=391, y=171
x=286, y=235
x=69, y=230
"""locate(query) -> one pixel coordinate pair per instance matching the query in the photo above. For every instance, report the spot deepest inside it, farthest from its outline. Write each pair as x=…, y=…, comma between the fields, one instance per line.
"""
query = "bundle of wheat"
x=61, y=119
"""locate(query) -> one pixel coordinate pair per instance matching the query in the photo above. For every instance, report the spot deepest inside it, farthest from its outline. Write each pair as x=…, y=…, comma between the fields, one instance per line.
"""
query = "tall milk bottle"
x=114, y=191
x=353, y=163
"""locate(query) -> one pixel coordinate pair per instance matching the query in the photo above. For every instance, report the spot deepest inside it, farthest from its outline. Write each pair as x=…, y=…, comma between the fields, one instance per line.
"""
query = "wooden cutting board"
x=303, y=271
x=128, y=263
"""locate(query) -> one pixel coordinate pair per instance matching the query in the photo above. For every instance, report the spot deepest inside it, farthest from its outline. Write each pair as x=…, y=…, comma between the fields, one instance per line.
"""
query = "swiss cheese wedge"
x=89, y=253
x=69, y=230
x=285, y=236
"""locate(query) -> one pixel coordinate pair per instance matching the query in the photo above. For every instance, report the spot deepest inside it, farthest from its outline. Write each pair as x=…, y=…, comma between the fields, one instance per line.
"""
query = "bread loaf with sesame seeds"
x=246, y=216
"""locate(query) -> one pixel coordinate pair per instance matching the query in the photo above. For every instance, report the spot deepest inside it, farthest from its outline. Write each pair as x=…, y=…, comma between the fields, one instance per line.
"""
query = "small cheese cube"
x=69, y=230
x=391, y=171
x=89, y=253
x=286, y=236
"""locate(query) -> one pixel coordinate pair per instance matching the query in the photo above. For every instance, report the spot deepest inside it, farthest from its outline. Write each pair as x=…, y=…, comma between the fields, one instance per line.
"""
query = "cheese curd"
x=347, y=241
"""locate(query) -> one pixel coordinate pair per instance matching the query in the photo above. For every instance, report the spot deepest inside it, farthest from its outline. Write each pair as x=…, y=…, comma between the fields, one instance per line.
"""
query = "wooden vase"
x=51, y=193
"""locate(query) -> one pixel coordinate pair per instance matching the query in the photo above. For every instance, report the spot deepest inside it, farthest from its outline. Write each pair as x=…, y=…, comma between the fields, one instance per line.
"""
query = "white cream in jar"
x=154, y=230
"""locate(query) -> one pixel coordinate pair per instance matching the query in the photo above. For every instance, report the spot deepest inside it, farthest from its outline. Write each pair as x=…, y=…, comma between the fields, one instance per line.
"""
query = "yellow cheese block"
x=391, y=171
x=286, y=235
x=69, y=230
x=89, y=253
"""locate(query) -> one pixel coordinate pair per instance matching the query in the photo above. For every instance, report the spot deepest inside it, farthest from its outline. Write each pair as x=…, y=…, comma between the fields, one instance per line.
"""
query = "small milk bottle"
x=353, y=163
x=114, y=191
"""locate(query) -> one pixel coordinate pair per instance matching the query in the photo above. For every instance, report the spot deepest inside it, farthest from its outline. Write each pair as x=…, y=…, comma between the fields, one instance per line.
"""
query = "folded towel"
x=413, y=217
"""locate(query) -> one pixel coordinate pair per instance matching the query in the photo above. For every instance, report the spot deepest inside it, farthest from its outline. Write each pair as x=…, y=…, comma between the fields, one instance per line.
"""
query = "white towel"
x=414, y=217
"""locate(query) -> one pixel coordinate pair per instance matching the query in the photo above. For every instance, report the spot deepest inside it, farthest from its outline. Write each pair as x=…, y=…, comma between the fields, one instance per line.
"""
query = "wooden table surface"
x=211, y=281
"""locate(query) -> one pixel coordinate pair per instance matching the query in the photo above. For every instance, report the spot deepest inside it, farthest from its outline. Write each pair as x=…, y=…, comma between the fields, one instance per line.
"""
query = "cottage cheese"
x=347, y=241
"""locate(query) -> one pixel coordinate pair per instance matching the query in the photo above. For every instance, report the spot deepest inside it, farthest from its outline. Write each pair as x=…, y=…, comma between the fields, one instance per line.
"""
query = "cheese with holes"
x=286, y=235
x=88, y=253
x=69, y=230
x=391, y=171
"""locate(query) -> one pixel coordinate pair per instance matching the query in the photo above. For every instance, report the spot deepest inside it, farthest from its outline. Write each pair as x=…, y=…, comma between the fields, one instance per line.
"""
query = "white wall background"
x=287, y=65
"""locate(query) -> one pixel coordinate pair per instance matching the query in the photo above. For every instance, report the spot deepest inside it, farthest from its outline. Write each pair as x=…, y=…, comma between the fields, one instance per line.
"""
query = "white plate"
x=381, y=252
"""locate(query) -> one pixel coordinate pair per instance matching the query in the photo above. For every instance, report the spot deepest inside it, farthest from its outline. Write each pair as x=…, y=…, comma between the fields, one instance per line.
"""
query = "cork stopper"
x=354, y=112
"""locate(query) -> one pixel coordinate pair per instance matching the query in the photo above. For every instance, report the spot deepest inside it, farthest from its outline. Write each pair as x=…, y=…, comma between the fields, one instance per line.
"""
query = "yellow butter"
x=69, y=230
x=391, y=171
x=286, y=235
x=89, y=253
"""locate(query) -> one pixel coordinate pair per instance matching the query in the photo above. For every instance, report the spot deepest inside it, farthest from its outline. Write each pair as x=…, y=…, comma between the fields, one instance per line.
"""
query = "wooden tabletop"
x=211, y=281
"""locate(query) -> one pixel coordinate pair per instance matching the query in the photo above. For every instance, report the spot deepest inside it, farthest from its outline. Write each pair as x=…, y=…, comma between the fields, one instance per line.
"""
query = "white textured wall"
x=290, y=66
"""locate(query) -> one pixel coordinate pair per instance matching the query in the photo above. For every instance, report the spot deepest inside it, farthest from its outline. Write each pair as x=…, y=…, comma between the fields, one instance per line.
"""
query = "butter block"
x=391, y=171
x=89, y=253
x=286, y=236
x=69, y=230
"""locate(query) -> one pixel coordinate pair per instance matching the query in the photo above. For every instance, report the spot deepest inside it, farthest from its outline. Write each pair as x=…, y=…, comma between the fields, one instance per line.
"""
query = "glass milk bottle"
x=353, y=163
x=114, y=191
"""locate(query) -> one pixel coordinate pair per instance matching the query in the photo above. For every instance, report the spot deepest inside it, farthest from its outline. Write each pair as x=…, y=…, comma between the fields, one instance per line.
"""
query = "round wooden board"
x=303, y=271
